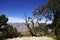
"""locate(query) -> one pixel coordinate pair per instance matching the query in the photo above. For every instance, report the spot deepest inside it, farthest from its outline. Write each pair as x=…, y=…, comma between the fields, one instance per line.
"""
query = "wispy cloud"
x=15, y=20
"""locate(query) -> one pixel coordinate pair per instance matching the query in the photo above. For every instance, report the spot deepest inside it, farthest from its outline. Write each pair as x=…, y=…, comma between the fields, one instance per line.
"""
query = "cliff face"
x=21, y=27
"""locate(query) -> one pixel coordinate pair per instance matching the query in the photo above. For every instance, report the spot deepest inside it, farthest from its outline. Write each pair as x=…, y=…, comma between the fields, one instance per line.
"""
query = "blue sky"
x=16, y=9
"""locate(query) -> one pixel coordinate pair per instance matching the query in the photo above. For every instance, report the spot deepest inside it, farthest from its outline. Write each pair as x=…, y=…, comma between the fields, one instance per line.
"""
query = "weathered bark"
x=30, y=30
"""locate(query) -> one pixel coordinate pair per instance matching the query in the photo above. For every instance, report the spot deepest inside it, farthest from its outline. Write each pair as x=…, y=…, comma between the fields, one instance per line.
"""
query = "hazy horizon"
x=15, y=9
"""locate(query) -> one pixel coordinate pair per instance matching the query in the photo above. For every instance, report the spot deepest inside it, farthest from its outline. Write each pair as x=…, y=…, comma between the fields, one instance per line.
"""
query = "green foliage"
x=3, y=20
x=57, y=33
x=50, y=11
x=9, y=32
x=53, y=4
x=40, y=30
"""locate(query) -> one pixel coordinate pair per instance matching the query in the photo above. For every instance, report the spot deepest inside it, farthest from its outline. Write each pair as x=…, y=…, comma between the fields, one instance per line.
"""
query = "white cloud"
x=15, y=20
x=21, y=20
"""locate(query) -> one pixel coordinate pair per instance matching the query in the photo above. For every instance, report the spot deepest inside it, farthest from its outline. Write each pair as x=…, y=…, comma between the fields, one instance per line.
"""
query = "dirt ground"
x=33, y=38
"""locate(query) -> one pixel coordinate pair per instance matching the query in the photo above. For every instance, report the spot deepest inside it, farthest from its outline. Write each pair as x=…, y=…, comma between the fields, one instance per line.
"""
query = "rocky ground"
x=33, y=38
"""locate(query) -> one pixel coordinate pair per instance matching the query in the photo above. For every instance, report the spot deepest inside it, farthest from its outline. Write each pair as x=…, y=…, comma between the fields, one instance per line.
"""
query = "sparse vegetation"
x=49, y=12
x=10, y=32
x=6, y=30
